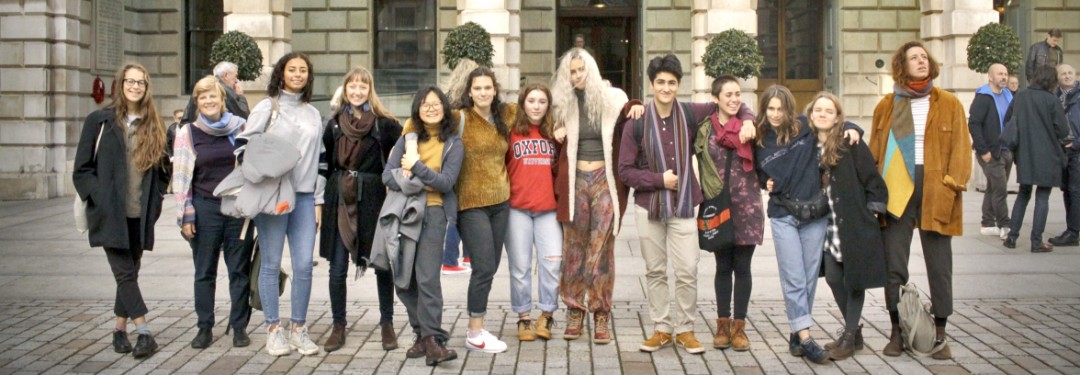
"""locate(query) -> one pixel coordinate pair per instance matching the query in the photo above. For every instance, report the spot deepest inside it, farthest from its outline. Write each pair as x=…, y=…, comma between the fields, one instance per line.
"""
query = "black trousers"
x=937, y=252
x=125, y=264
x=848, y=299
x=734, y=261
x=483, y=230
x=216, y=234
x=1038, y=219
x=339, y=272
x=1071, y=192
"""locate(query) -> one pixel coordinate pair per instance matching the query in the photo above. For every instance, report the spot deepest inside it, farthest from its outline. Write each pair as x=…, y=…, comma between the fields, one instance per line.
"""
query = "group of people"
x=1033, y=129
x=547, y=178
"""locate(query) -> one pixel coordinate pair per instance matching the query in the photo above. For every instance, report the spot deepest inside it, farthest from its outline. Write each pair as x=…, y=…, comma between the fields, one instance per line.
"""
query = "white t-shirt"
x=920, y=108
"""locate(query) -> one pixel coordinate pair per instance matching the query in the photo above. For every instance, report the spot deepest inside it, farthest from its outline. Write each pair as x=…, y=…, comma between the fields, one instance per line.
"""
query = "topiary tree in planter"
x=240, y=49
x=733, y=52
x=994, y=43
x=469, y=41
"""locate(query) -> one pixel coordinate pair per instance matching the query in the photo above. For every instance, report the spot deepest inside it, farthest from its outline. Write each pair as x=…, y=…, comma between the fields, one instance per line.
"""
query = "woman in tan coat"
x=922, y=148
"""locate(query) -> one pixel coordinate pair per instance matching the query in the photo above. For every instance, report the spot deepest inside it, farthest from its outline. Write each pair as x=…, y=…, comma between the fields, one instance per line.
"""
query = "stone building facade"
x=52, y=50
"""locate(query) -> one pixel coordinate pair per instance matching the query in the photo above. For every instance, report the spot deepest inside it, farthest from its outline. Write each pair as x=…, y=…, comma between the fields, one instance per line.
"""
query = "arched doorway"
x=609, y=32
x=791, y=37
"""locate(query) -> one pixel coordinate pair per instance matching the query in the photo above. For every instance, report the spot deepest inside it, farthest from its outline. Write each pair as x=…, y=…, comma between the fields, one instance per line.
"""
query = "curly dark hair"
x=277, y=78
x=1045, y=78
x=448, y=125
x=496, y=103
x=667, y=63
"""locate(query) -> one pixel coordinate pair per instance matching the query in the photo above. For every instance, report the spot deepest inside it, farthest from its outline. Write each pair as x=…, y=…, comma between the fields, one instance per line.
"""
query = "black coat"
x=1041, y=126
x=984, y=125
x=103, y=184
x=857, y=192
x=372, y=191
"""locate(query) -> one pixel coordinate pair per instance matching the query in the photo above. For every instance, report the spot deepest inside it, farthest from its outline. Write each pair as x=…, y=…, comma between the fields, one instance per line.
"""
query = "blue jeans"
x=798, y=255
x=527, y=229
x=452, y=246
x=299, y=227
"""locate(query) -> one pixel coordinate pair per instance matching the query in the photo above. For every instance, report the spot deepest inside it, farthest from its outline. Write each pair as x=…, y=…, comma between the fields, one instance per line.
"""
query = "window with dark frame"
x=406, y=42
x=203, y=24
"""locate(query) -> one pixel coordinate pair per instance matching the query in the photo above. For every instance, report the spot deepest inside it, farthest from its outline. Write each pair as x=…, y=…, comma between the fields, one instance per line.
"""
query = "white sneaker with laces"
x=990, y=231
x=276, y=344
x=1004, y=233
x=486, y=343
x=300, y=341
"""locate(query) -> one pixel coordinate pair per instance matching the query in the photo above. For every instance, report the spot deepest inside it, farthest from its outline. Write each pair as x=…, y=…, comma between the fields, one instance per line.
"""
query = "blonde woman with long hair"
x=122, y=172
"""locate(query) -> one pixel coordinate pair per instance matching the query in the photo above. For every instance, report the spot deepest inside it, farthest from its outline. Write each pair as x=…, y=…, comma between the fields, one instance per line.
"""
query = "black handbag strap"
x=727, y=167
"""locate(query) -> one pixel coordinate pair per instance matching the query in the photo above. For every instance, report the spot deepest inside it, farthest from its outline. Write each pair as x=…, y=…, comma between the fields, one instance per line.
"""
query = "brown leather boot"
x=896, y=343
x=845, y=346
x=336, y=339
x=944, y=353
x=601, y=328
x=739, y=341
x=437, y=351
x=722, y=338
x=389, y=337
x=859, y=345
x=575, y=323
x=417, y=350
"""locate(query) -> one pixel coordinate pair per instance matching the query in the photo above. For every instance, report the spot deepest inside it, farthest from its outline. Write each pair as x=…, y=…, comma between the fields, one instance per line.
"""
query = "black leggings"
x=737, y=261
x=848, y=299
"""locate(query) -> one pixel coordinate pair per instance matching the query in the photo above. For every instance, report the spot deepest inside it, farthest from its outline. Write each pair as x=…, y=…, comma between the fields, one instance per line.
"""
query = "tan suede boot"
x=722, y=338
x=739, y=341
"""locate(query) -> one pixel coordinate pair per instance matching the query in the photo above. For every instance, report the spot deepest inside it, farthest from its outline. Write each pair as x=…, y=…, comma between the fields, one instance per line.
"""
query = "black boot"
x=240, y=338
x=1065, y=239
x=202, y=339
x=144, y=346
x=120, y=342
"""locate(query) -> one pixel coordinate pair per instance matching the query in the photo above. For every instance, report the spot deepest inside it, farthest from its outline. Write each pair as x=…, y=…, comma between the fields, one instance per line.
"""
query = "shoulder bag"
x=81, y=224
x=716, y=231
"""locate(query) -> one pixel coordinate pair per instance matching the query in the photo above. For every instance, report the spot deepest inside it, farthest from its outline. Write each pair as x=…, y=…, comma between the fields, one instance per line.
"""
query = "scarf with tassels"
x=665, y=203
x=349, y=147
x=899, y=165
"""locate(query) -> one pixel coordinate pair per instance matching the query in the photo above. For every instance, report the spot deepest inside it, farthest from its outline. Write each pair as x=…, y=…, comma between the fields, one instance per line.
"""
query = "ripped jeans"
x=526, y=229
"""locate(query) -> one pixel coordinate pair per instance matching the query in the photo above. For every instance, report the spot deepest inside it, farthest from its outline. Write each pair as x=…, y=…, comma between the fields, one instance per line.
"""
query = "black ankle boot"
x=120, y=342
x=202, y=339
x=144, y=346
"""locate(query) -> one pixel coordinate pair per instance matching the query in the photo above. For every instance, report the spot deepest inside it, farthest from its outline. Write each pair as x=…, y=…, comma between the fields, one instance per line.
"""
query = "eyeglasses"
x=131, y=82
x=431, y=106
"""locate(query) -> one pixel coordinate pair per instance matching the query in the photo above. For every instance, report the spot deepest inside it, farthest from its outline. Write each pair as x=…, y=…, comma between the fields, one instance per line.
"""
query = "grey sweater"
x=301, y=123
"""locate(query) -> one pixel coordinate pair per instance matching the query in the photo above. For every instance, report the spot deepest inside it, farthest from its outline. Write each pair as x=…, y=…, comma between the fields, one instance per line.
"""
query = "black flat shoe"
x=240, y=338
x=1065, y=239
x=144, y=346
x=794, y=346
x=1010, y=243
x=120, y=342
x=203, y=338
x=1042, y=248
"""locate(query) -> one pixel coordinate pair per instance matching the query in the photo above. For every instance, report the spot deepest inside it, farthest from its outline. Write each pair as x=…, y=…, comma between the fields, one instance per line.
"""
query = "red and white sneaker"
x=466, y=263
x=454, y=270
x=486, y=343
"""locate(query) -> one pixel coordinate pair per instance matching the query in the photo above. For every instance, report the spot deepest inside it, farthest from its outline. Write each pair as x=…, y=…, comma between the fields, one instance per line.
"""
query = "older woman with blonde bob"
x=203, y=156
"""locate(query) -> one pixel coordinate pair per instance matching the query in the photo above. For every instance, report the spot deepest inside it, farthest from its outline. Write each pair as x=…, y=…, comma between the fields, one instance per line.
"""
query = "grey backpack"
x=916, y=323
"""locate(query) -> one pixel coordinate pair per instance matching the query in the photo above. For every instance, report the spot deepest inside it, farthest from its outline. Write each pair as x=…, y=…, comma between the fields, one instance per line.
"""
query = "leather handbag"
x=79, y=207
x=716, y=231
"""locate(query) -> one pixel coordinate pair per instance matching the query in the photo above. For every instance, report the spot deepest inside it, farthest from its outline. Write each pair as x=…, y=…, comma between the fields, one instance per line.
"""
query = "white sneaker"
x=990, y=231
x=486, y=343
x=300, y=341
x=1004, y=234
x=276, y=345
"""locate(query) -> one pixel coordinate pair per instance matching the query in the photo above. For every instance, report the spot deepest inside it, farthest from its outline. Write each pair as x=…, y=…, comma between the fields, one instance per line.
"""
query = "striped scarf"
x=665, y=203
x=899, y=165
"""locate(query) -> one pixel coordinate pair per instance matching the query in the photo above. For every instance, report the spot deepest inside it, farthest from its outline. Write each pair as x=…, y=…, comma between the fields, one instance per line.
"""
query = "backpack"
x=639, y=130
x=916, y=323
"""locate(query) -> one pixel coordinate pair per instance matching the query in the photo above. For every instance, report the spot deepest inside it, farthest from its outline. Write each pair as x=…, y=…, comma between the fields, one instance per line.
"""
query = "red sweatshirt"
x=530, y=162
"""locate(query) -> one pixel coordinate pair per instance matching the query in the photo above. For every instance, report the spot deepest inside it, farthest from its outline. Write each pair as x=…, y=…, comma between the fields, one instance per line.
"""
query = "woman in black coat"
x=122, y=171
x=855, y=254
x=358, y=139
x=1041, y=131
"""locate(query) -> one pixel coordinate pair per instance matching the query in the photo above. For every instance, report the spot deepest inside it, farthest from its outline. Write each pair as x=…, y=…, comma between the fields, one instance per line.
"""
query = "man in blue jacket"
x=986, y=120
x=1070, y=98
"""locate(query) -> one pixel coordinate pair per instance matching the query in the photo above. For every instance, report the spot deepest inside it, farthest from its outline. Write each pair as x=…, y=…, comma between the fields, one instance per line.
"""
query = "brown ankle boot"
x=845, y=345
x=336, y=339
x=389, y=337
x=896, y=343
x=417, y=350
x=739, y=341
x=722, y=338
x=437, y=351
x=575, y=323
x=601, y=328
x=944, y=353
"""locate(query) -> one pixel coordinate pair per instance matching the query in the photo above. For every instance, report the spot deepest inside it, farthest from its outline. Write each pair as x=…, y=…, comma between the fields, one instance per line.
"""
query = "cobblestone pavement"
x=988, y=336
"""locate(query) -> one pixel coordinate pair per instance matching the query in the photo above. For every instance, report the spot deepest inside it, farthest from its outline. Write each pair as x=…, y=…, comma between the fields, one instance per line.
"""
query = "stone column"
x=711, y=17
x=502, y=19
x=269, y=23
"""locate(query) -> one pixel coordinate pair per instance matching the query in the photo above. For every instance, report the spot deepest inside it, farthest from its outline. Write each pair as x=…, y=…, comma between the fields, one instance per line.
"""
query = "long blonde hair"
x=562, y=89
x=150, y=136
x=834, y=143
x=459, y=78
x=359, y=73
